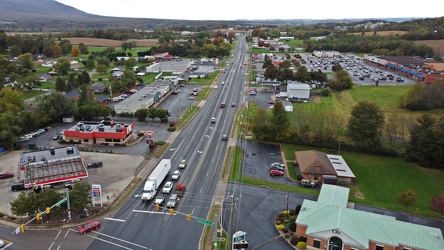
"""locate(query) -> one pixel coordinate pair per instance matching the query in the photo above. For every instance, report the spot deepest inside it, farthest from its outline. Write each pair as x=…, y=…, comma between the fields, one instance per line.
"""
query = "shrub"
x=140, y=134
x=293, y=217
x=286, y=221
x=278, y=222
x=171, y=129
x=302, y=238
x=286, y=236
x=280, y=227
x=286, y=212
x=325, y=92
x=301, y=245
x=160, y=142
x=292, y=226
x=294, y=240
x=285, y=230
x=292, y=212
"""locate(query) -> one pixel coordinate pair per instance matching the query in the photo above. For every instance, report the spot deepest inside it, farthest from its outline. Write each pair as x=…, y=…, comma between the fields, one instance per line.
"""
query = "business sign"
x=96, y=192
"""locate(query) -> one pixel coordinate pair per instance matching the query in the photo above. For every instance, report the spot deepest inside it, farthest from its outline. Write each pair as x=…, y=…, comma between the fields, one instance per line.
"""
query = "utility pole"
x=231, y=219
x=67, y=203
x=215, y=232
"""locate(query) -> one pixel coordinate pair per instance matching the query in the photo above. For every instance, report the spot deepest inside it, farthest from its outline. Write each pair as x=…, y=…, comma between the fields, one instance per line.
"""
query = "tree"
x=340, y=81
x=437, y=204
x=102, y=68
x=365, y=125
x=83, y=48
x=280, y=122
x=55, y=106
x=60, y=84
x=75, y=51
x=407, y=198
x=57, y=51
x=25, y=61
x=62, y=67
x=141, y=114
x=11, y=100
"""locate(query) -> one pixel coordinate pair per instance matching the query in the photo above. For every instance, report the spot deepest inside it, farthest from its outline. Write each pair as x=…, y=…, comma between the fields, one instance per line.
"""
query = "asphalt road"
x=138, y=225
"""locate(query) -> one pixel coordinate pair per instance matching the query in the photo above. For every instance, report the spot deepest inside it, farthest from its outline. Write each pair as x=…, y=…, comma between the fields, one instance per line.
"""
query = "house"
x=298, y=90
x=316, y=166
x=329, y=224
x=73, y=94
x=118, y=68
x=101, y=99
x=97, y=87
x=45, y=77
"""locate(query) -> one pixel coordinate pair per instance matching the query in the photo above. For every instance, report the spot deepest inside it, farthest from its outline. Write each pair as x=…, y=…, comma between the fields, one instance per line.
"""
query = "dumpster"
x=32, y=146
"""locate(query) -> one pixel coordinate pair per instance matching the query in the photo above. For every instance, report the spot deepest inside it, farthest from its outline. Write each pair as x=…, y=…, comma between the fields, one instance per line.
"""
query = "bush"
x=278, y=222
x=325, y=92
x=301, y=245
x=286, y=236
x=293, y=217
x=292, y=212
x=294, y=240
x=292, y=226
x=285, y=230
x=160, y=142
x=280, y=227
x=286, y=221
x=171, y=129
x=140, y=134
x=302, y=238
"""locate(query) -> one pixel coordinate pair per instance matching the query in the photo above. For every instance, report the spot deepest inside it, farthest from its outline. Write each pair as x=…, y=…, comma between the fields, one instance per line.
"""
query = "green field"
x=380, y=179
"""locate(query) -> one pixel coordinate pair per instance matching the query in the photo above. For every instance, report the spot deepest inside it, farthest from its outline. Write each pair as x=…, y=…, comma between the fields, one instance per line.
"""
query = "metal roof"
x=358, y=228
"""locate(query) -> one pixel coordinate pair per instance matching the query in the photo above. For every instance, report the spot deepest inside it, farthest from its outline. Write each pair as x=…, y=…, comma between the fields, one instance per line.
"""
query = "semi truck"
x=155, y=179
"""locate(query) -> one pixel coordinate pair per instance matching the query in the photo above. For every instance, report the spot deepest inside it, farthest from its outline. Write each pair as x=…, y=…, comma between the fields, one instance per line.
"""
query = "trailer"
x=155, y=179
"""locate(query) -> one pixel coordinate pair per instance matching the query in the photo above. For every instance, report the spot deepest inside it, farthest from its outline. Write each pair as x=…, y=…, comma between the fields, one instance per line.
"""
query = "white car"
x=183, y=163
x=167, y=188
x=176, y=175
x=159, y=199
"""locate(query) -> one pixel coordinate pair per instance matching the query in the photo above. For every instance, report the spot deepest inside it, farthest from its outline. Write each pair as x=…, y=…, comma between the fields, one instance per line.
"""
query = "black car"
x=95, y=164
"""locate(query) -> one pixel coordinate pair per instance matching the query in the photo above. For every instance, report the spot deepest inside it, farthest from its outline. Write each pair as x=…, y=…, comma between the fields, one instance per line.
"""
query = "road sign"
x=61, y=201
x=205, y=222
x=239, y=238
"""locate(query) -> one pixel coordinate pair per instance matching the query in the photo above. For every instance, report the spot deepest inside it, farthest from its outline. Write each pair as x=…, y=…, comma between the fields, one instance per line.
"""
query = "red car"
x=6, y=175
x=89, y=226
x=275, y=172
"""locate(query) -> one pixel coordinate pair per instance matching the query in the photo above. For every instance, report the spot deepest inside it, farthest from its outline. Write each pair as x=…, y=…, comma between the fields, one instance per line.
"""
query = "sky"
x=247, y=9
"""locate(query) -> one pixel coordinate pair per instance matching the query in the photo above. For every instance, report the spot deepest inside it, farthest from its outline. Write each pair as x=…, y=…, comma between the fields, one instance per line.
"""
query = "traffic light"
x=171, y=211
x=157, y=207
x=22, y=228
x=37, y=216
x=188, y=216
x=48, y=210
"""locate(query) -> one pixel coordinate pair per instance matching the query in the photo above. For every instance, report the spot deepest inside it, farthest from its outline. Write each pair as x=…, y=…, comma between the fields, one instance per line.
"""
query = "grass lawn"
x=380, y=179
x=295, y=42
x=29, y=94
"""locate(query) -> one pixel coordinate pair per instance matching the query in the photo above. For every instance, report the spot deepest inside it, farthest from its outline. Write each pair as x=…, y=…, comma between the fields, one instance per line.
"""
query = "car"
x=361, y=78
x=172, y=201
x=18, y=187
x=399, y=79
x=182, y=85
x=175, y=175
x=6, y=175
x=55, y=137
x=2, y=243
x=275, y=172
x=89, y=226
x=252, y=92
x=183, y=163
x=191, y=97
x=278, y=164
x=222, y=105
x=167, y=187
x=159, y=199
x=35, y=134
x=224, y=138
x=24, y=139
x=215, y=86
x=233, y=104
x=213, y=120
x=98, y=164
x=41, y=131
x=307, y=183
x=277, y=168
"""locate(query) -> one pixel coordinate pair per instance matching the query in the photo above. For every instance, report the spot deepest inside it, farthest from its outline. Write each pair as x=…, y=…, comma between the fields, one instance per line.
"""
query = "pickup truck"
x=180, y=190
x=98, y=164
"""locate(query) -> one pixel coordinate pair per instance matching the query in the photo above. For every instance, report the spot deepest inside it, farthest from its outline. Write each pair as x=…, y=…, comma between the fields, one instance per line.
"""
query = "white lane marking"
x=67, y=231
x=148, y=212
x=113, y=219
x=115, y=238
x=201, y=190
x=57, y=235
x=50, y=246
x=192, y=211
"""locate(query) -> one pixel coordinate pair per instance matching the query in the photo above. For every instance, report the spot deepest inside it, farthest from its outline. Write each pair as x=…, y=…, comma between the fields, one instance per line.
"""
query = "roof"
x=340, y=166
x=72, y=94
x=298, y=86
x=324, y=219
x=315, y=162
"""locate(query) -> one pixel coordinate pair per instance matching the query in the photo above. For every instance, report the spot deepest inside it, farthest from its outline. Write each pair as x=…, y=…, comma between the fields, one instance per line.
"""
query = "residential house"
x=97, y=87
x=73, y=95
x=45, y=77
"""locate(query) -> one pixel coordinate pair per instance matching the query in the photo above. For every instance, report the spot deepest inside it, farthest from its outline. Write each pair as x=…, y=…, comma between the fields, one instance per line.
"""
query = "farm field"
x=108, y=42
x=436, y=45
x=382, y=33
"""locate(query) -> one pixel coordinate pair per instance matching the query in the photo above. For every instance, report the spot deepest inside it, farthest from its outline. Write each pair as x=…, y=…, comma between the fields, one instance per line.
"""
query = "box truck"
x=155, y=179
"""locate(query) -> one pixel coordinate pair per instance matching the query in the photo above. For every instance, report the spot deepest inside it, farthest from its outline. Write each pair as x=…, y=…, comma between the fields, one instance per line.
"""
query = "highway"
x=137, y=225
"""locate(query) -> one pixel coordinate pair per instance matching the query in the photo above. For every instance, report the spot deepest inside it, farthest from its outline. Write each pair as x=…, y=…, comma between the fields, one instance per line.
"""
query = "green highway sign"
x=205, y=222
x=60, y=202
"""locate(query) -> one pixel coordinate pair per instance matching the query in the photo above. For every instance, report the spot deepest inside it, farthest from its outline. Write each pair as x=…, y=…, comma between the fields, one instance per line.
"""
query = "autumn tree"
x=57, y=51
x=340, y=81
x=11, y=100
x=25, y=61
x=437, y=204
x=365, y=125
x=75, y=51
x=407, y=198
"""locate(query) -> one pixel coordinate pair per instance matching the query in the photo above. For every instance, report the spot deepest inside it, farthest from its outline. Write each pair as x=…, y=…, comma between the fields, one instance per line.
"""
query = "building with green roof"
x=329, y=224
